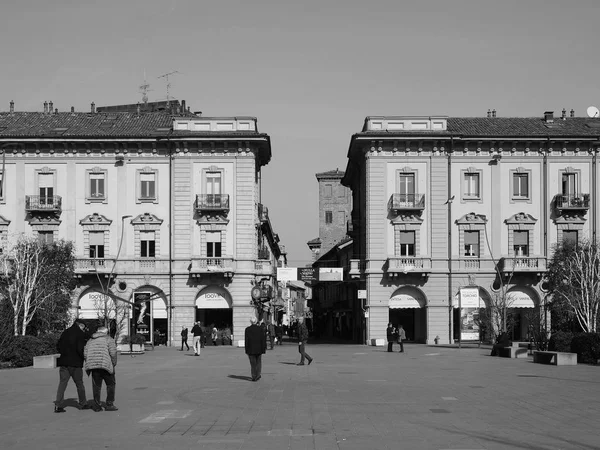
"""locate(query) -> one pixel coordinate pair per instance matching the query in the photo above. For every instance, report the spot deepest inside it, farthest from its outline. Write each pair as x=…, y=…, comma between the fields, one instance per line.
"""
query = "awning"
x=519, y=299
x=213, y=297
x=404, y=301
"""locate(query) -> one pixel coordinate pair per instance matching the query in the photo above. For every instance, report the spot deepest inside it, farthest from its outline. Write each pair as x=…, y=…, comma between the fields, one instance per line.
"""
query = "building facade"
x=164, y=208
x=441, y=204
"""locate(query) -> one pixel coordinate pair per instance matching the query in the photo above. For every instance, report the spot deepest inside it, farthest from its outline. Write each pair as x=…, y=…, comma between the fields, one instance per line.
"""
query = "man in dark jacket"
x=197, y=333
x=503, y=340
x=255, y=344
x=390, y=337
x=70, y=346
x=302, y=340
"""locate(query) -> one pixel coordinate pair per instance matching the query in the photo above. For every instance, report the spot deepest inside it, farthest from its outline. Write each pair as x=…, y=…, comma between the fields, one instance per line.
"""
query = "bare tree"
x=574, y=279
x=33, y=275
x=108, y=310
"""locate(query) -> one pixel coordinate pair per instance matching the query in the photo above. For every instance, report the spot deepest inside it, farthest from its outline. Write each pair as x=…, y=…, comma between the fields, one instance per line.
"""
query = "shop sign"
x=469, y=297
x=307, y=274
x=287, y=273
x=331, y=274
x=362, y=294
x=142, y=314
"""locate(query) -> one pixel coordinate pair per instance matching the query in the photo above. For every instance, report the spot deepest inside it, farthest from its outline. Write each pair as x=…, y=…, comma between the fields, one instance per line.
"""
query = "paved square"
x=351, y=397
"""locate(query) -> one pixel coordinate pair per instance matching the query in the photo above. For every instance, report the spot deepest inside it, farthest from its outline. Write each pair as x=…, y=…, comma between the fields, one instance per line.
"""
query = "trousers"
x=65, y=374
x=303, y=353
x=99, y=375
x=255, y=366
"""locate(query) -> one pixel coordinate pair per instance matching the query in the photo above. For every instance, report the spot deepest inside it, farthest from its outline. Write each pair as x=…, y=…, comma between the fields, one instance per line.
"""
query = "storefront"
x=214, y=308
x=521, y=305
x=407, y=307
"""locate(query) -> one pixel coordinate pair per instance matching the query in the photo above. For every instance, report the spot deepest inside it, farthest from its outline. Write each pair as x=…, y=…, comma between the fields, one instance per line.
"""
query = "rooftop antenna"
x=144, y=90
x=166, y=75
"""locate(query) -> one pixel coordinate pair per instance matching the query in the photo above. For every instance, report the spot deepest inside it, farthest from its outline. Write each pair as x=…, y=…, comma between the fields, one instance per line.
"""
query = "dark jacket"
x=255, y=340
x=302, y=332
x=70, y=346
x=184, y=333
x=197, y=330
x=390, y=334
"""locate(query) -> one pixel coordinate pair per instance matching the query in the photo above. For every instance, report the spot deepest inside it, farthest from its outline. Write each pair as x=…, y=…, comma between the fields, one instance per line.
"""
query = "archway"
x=521, y=302
x=407, y=307
x=214, y=310
x=470, y=322
x=150, y=317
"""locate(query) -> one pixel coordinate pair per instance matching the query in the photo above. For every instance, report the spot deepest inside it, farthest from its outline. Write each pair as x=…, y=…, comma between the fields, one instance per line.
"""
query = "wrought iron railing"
x=406, y=201
x=212, y=202
x=573, y=201
x=43, y=203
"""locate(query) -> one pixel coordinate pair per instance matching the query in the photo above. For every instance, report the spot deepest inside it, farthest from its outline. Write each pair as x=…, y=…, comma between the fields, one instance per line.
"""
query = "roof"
x=506, y=127
x=314, y=241
x=331, y=174
x=100, y=125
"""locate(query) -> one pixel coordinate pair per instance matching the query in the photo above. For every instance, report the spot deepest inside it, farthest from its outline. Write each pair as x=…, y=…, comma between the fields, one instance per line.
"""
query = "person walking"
x=390, y=337
x=184, y=337
x=302, y=340
x=100, y=359
x=279, y=333
x=71, y=345
x=197, y=332
x=214, y=335
x=401, y=338
x=271, y=329
x=255, y=344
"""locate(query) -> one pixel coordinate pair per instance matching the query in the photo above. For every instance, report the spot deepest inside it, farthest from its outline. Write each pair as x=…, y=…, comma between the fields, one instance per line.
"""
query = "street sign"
x=362, y=294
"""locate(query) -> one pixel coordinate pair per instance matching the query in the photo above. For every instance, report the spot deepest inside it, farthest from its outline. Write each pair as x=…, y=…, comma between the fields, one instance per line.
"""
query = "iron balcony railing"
x=212, y=202
x=572, y=201
x=43, y=203
x=399, y=202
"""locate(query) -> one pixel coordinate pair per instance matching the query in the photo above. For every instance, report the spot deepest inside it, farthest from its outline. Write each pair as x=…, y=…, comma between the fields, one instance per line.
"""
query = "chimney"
x=188, y=110
x=45, y=107
x=563, y=116
x=93, y=107
x=489, y=113
x=138, y=109
x=50, y=107
x=55, y=110
x=572, y=113
x=549, y=116
x=493, y=113
x=12, y=107
x=183, y=106
x=72, y=109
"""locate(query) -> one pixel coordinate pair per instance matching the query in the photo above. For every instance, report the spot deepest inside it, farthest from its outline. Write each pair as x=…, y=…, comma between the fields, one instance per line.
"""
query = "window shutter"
x=471, y=238
x=46, y=180
x=96, y=238
x=521, y=237
x=407, y=237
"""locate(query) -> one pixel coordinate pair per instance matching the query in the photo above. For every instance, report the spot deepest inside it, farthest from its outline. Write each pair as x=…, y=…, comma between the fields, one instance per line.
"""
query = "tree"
x=37, y=279
x=573, y=278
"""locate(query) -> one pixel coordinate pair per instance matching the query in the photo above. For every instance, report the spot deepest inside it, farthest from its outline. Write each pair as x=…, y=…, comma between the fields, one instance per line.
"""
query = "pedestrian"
x=401, y=337
x=279, y=333
x=302, y=340
x=197, y=332
x=390, y=337
x=271, y=329
x=502, y=341
x=255, y=344
x=71, y=345
x=184, y=337
x=101, y=359
x=214, y=335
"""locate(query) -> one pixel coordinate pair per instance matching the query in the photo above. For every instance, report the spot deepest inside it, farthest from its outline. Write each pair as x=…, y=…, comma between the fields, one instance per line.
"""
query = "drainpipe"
x=594, y=190
x=545, y=196
x=170, y=153
x=450, y=308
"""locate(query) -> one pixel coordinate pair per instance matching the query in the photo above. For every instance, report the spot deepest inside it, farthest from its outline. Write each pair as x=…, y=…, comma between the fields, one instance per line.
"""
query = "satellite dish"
x=593, y=112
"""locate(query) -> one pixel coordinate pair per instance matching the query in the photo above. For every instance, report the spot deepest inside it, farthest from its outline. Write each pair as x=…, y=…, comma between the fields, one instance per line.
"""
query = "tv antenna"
x=144, y=89
x=166, y=75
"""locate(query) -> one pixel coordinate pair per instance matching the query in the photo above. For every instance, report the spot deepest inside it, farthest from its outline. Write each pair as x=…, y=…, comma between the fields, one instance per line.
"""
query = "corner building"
x=162, y=205
x=441, y=203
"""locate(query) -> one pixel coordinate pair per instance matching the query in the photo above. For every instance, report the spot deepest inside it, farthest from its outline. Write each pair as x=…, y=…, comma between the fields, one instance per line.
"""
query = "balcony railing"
x=400, y=202
x=406, y=264
x=263, y=267
x=201, y=266
x=43, y=203
x=137, y=265
x=263, y=213
x=356, y=268
x=212, y=202
x=263, y=253
x=572, y=202
x=523, y=264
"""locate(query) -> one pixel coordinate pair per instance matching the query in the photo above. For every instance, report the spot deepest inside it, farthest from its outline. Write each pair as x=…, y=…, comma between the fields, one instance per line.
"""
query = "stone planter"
x=126, y=349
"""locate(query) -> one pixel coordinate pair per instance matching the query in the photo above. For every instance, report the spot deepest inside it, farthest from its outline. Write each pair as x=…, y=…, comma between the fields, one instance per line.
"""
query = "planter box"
x=135, y=348
x=45, y=361
x=378, y=342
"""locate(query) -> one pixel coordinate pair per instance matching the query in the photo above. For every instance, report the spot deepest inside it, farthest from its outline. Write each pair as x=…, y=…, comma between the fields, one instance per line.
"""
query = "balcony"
x=263, y=213
x=572, y=202
x=94, y=265
x=263, y=253
x=205, y=266
x=264, y=267
x=131, y=266
x=408, y=264
x=52, y=203
x=523, y=264
x=406, y=202
x=356, y=269
x=212, y=203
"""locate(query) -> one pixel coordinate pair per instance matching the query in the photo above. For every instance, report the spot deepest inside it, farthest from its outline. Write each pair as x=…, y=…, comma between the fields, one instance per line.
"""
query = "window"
x=407, y=243
x=147, y=244
x=328, y=216
x=569, y=184
x=147, y=186
x=97, y=185
x=328, y=190
x=471, y=185
x=213, y=244
x=46, y=188
x=520, y=185
x=96, y=244
x=570, y=237
x=341, y=218
x=471, y=243
x=407, y=187
x=521, y=243
x=46, y=237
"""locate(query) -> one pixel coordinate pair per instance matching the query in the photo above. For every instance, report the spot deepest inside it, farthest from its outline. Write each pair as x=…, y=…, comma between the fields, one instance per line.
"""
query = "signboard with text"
x=142, y=317
x=307, y=274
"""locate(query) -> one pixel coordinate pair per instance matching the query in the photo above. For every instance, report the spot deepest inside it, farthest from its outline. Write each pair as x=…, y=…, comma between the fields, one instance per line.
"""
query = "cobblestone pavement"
x=351, y=397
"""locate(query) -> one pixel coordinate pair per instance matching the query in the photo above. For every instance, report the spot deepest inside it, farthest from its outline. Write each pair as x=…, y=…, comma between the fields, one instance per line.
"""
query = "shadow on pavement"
x=288, y=363
x=240, y=377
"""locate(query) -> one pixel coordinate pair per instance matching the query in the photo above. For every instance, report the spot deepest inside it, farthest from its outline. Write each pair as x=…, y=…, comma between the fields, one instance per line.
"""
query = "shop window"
x=521, y=243
x=96, y=239
x=407, y=243
x=471, y=239
x=147, y=244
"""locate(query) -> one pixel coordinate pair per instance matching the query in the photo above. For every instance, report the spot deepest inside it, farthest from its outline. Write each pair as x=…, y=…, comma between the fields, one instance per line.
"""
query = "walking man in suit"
x=255, y=344
x=302, y=340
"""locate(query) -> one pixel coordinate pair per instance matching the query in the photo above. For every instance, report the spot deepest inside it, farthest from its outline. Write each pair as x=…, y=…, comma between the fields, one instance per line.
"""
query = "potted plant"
x=134, y=344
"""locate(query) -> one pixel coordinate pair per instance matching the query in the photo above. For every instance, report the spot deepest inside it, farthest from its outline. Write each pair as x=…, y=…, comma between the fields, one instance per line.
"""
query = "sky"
x=310, y=70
